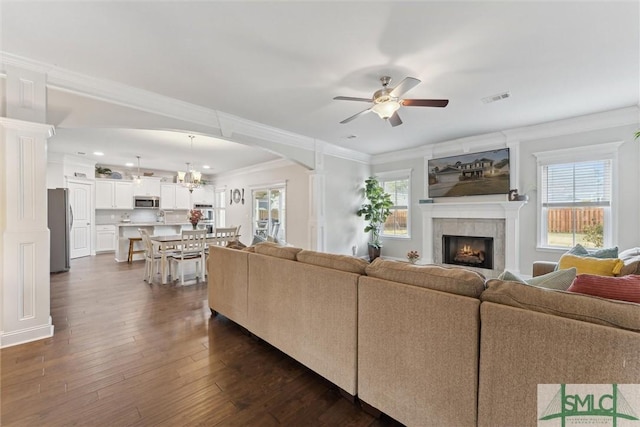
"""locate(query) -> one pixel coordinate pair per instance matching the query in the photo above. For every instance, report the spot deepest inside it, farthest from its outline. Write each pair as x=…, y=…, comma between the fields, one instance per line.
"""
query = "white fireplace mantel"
x=509, y=211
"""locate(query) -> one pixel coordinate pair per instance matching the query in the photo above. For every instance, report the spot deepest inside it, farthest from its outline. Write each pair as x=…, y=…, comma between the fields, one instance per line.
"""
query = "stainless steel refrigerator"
x=60, y=217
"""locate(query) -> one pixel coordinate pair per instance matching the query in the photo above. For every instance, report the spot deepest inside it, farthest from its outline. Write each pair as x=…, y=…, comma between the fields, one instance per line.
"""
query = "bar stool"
x=132, y=241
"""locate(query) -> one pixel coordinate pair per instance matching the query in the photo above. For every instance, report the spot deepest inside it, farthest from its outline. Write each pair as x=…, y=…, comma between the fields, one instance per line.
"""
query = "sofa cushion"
x=560, y=279
x=624, y=288
x=271, y=249
x=448, y=279
x=579, y=250
x=337, y=262
x=591, y=265
x=631, y=259
x=586, y=308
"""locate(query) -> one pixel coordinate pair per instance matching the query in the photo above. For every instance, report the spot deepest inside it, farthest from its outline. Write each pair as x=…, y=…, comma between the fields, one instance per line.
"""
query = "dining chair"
x=192, y=250
x=152, y=257
x=224, y=235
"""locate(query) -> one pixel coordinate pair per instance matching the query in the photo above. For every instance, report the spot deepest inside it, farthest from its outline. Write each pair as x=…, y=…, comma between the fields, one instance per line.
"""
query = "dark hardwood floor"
x=128, y=353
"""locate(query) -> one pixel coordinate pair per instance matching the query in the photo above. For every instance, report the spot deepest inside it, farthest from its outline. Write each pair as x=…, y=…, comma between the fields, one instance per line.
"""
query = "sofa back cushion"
x=272, y=249
x=337, y=262
x=447, y=279
x=586, y=308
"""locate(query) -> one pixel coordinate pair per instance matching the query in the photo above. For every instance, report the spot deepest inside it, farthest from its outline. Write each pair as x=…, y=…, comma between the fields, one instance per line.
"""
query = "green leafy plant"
x=376, y=210
x=594, y=233
x=637, y=134
x=102, y=171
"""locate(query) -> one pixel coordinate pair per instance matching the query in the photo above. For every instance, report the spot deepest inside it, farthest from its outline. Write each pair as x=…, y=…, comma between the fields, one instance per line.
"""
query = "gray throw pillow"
x=559, y=279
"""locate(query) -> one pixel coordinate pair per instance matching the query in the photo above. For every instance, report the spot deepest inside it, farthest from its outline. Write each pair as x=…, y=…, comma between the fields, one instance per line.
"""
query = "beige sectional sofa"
x=427, y=345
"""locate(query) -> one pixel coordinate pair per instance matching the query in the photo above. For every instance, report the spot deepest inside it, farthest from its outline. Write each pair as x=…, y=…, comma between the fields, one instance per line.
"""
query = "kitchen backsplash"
x=113, y=216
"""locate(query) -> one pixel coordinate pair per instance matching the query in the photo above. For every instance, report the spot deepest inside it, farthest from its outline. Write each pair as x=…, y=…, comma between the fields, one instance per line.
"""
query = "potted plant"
x=376, y=210
x=102, y=172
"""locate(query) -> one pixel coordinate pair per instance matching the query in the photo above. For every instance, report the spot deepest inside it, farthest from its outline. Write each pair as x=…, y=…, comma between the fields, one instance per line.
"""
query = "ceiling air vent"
x=498, y=97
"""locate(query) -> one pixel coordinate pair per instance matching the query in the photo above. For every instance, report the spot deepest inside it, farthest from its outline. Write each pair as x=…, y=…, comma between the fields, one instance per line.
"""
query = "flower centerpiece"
x=195, y=215
x=413, y=256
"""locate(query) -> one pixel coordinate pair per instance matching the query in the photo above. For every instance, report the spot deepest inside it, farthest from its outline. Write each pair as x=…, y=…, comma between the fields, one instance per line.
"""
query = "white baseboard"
x=8, y=339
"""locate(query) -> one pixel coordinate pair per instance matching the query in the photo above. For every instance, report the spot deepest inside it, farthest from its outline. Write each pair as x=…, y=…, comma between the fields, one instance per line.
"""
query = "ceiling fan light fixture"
x=384, y=110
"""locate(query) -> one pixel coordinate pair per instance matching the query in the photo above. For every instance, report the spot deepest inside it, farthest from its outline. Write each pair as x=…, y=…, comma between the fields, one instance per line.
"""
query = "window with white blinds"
x=576, y=203
x=577, y=184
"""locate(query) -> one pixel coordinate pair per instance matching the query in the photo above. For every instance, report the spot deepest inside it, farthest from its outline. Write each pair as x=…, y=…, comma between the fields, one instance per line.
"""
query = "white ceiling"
x=281, y=63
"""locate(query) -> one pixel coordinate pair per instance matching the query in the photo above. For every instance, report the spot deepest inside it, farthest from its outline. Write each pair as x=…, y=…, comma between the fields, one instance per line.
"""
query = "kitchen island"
x=130, y=229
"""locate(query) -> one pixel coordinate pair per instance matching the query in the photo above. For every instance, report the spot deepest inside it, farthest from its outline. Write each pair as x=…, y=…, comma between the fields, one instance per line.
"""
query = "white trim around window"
x=605, y=151
x=398, y=175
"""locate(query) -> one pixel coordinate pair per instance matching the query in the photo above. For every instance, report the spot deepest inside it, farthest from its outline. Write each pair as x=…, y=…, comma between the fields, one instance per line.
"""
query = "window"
x=269, y=210
x=219, y=208
x=576, y=197
x=397, y=185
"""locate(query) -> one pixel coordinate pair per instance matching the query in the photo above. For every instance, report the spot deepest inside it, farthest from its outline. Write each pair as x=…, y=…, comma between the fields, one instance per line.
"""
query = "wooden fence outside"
x=562, y=220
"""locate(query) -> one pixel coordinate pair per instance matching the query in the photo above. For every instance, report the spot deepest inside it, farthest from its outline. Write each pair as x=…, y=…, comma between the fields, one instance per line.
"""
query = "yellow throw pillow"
x=590, y=265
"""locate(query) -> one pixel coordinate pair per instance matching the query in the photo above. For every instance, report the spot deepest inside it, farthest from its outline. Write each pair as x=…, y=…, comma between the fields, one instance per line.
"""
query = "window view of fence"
x=396, y=224
x=568, y=226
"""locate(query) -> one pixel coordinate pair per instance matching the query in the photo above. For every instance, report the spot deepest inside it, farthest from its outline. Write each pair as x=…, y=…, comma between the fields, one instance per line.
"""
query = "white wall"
x=344, y=184
x=628, y=189
x=576, y=132
x=297, y=198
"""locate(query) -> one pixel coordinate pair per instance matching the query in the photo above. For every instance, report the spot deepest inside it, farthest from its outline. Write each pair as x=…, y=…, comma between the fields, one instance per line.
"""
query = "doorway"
x=80, y=196
x=269, y=212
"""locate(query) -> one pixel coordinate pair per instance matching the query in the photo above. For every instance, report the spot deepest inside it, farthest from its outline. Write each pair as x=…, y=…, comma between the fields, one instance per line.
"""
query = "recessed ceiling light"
x=98, y=153
x=206, y=167
x=128, y=164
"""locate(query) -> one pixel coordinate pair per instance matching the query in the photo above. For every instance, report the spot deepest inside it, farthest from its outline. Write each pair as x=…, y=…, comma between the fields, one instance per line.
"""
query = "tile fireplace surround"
x=499, y=220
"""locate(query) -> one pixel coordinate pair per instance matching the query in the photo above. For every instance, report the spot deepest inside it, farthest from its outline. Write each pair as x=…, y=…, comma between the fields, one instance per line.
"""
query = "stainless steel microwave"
x=146, y=202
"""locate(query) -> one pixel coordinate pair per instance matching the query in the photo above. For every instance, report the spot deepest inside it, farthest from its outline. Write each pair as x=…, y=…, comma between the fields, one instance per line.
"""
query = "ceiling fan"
x=387, y=101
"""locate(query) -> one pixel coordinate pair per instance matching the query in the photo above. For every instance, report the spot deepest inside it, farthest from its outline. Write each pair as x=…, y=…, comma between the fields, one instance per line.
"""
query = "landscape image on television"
x=469, y=174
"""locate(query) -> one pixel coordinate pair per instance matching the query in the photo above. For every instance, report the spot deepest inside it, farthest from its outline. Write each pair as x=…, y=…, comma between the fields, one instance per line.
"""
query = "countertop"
x=148, y=224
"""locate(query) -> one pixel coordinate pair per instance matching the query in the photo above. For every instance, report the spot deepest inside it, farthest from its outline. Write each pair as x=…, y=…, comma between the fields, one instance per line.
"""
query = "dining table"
x=168, y=243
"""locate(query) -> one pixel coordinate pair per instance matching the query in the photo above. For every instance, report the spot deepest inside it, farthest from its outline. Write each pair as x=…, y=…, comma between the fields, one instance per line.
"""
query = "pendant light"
x=138, y=178
x=190, y=179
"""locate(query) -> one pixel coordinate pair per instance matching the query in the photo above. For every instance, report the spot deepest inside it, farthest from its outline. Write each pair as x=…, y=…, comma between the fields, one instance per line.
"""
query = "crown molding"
x=587, y=123
x=346, y=153
x=266, y=166
x=21, y=125
x=604, y=120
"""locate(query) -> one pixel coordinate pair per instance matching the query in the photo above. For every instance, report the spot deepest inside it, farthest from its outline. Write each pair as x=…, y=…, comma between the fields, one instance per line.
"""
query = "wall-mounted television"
x=472, y=174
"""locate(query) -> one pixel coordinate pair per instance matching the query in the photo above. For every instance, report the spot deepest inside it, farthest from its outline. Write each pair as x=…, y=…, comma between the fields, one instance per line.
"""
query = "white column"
x=25, y=235
x=317, y=220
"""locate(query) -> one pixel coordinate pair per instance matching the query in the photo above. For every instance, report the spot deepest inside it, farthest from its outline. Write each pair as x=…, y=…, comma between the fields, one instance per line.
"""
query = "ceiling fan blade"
x=355, y=116
x=395, y=120
x=406, y=85
x=351, y=98
x=425, y=102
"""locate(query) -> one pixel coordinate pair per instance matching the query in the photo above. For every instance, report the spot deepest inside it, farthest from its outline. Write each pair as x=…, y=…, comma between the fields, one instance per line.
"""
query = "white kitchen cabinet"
x=114, y=194
x=148, y=186
x=105, y=238
x=203, y=195
x=174, y=196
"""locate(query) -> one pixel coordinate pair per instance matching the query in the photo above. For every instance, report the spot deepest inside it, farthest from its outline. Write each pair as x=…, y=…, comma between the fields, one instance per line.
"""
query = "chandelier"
x=137, y=178
x=191, y=178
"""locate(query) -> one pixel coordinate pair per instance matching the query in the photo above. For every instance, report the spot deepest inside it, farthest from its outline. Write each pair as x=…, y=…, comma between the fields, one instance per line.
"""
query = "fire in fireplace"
x=468, y=250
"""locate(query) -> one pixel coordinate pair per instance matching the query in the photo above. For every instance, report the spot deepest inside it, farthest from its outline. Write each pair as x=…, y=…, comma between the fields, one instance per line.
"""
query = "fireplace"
x=468, y=250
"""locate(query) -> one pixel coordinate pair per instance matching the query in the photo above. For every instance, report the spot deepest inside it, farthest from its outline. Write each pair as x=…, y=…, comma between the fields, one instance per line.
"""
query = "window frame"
x=605, y=151
x=217, y=209
x=398, y=175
